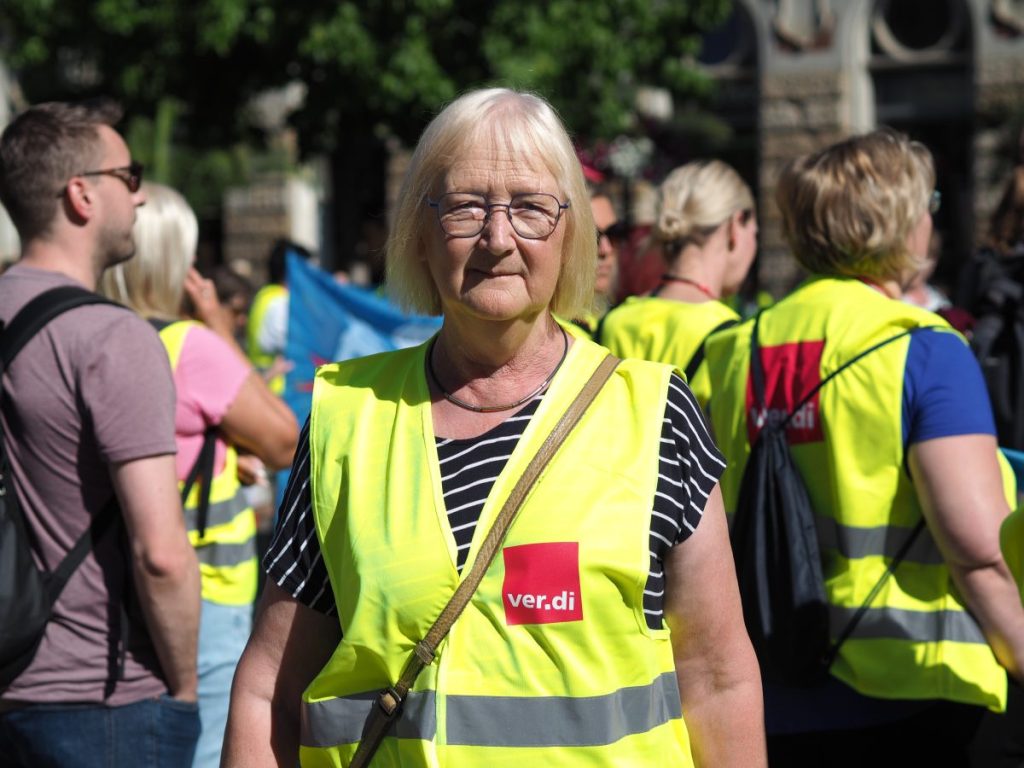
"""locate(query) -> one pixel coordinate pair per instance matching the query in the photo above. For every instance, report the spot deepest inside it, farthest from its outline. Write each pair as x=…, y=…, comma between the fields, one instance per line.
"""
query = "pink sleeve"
x=208, y=377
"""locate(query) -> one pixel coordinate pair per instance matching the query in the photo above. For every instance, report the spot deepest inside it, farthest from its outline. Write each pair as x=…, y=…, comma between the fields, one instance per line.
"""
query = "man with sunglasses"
x=88, y=422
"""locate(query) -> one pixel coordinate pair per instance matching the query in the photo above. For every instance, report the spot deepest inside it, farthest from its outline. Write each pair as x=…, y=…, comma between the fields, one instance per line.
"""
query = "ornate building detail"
x=1008, y=16
x=913, y=30
x=804, y=26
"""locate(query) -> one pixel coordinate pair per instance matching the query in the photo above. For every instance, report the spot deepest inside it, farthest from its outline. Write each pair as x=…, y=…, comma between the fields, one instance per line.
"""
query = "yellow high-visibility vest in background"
x=552, y=663
x=917, y=640
x=227, y=551
x=264, y=297
x=665, y=331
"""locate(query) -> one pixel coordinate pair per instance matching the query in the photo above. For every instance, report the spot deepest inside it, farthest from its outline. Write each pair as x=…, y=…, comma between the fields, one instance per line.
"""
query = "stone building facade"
x=948, y=72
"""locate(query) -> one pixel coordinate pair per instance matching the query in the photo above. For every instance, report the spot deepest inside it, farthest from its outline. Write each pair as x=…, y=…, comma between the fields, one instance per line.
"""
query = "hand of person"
x=279, y=367
x=189, y=695
x=208, y=309
x=251, y=471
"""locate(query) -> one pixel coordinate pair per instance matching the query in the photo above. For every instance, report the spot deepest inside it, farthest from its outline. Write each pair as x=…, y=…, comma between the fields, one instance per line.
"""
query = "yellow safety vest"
x=917, y=640
x=552, y=663
x=264, y=297
x=665, y=331
x=227, y=551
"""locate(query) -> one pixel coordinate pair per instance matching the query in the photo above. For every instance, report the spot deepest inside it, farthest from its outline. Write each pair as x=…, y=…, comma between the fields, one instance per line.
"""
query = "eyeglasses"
x=934, y=202
x=616, y=232
x=131, y=175
x=532, y=216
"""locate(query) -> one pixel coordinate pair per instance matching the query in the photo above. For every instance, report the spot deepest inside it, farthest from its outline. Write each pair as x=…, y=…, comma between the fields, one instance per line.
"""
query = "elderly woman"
x=607, y=630
x=222, y=405
x=708, y=234
x=904, y=435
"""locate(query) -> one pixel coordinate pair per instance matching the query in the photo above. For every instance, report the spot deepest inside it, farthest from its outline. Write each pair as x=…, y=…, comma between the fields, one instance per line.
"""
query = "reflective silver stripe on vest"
x=915, y=626
x=331, y=722
x=562, y=721
x=505, y=721
x=854, y=542
x=220, y=554
x=219, y=513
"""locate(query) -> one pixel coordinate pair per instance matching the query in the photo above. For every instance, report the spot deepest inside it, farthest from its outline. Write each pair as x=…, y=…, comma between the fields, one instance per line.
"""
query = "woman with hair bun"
x=223, y=406
x=708, y=233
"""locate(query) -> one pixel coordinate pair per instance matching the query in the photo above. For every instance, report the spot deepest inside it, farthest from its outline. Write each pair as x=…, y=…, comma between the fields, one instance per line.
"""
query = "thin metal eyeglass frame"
x=489, y=207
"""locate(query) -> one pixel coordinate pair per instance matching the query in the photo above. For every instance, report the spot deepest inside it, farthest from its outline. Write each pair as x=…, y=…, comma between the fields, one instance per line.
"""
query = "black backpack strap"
x=38, y=312
x=851, y=625
x=202, y=468
x=757, y=365
x=856, y=358
x=58, y=577
x=757, y=375
x=698, y=355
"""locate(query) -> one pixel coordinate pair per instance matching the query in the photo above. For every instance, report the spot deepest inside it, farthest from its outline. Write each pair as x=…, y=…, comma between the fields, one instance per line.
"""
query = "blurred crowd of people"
x=609, y=627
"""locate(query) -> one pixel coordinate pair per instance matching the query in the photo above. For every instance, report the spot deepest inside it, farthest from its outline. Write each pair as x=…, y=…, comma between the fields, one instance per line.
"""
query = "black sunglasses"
x=616, y=232
x=131, y=175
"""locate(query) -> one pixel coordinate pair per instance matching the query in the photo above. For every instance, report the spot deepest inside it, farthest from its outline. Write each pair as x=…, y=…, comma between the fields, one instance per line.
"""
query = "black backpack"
x=996, y=299
x=27, y=594
x=775, y=546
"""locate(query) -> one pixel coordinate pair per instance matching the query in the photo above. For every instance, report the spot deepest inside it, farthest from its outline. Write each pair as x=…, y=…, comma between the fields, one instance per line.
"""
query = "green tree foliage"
x=368, y=64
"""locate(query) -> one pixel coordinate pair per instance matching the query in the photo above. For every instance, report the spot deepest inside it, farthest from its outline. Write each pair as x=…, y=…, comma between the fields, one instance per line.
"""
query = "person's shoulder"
x=202, y=341
x=936, y=344
x=637, y=315
x=110, y=318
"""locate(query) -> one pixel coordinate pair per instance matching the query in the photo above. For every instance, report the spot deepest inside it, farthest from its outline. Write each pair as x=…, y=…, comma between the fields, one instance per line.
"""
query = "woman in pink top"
x=226, y=421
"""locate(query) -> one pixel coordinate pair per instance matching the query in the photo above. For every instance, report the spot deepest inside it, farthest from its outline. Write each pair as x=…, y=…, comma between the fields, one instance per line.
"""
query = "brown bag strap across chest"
x=389, y=702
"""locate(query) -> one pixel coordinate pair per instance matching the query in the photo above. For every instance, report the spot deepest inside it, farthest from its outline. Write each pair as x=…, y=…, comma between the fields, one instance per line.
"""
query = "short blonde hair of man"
x=695, y=199
x=525, y=126
x=848, y=210
x=166, y=234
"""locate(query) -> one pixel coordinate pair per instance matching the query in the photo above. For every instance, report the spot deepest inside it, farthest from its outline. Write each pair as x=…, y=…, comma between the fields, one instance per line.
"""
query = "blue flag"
x=329, y=321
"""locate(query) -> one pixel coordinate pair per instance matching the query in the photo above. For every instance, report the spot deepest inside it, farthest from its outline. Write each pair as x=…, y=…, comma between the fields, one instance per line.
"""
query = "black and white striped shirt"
x=689, y=468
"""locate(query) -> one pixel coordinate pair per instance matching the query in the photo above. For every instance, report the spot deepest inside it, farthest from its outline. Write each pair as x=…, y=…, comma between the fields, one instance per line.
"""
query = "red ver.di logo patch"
x=542, y=583
x=790, y=372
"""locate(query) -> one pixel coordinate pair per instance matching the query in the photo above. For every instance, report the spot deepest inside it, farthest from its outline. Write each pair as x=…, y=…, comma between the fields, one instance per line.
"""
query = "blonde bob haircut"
x=166, y=233
x=695, y=199
x=525, y=127
x=848, y=210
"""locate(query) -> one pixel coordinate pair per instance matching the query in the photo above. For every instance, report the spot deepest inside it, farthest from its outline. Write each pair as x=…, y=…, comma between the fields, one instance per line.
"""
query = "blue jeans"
x=223, y=632
x=159, y=733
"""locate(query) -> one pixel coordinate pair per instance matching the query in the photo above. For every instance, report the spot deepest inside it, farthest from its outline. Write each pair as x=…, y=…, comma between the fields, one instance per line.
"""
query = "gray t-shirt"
x=93, y=387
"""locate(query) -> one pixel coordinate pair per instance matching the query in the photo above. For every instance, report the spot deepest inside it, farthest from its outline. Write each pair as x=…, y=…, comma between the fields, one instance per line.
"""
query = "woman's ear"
x=735, y=222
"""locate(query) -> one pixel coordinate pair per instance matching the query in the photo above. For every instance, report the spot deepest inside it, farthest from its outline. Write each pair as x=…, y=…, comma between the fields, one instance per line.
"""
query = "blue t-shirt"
x=944, y=392
x=943, y=395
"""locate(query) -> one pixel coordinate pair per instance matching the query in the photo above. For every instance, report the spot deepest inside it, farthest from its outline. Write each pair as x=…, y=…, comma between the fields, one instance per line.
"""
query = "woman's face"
x=496, y=275
x=742, y=255
x=920, y=236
